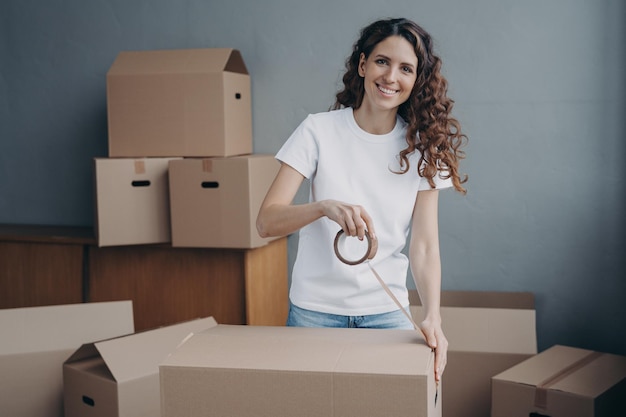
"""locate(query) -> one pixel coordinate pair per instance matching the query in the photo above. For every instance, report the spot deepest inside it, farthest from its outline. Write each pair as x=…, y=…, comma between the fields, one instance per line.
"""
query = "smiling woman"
x=376, y=163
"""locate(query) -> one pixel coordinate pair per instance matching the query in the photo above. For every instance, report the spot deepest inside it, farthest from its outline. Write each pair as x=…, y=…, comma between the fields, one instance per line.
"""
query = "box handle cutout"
x=143, y=183
x=537, y=415
x=238, y=96
x=89, y=401
x=436, y=396
x=210, y=184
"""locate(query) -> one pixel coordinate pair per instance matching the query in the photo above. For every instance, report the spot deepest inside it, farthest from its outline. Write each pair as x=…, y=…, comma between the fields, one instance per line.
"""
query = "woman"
x=375, y=163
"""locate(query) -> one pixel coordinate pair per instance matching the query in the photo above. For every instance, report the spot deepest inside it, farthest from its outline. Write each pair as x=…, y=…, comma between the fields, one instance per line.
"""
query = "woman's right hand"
x=352, y=218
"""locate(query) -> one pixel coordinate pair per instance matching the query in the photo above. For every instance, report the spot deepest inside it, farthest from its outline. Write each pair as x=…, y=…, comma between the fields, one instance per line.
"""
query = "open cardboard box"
x=487, y=332
x=132, y=201
x=180, y=102
x=120, y=376
x=562, y=381
x=214, y=202
x=252, y=371
x=35, y=342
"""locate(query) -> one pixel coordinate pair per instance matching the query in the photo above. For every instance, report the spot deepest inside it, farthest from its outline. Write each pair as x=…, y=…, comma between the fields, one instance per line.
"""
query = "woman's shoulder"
x=328, y=116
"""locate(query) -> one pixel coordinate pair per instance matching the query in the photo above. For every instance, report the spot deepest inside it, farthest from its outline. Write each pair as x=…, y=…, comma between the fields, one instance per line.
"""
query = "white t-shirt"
x=345, y=163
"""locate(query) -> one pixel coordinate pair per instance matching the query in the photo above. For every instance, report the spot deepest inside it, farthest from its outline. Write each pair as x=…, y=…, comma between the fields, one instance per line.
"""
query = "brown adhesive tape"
x=541, y=392
x=140, y=166
x=372, y=248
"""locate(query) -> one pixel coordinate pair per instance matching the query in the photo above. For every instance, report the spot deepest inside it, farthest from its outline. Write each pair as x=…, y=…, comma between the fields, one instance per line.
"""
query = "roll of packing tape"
x=352, y=251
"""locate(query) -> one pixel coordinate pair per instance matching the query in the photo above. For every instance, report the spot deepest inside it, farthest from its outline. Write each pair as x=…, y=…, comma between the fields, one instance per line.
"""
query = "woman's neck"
x=375, y=122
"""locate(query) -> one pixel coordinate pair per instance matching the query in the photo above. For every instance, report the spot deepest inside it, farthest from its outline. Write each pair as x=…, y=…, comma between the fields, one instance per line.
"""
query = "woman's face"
x=389, y=73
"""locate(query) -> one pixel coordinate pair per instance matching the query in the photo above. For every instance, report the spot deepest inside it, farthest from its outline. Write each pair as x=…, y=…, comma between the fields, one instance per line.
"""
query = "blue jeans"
x=300, y=317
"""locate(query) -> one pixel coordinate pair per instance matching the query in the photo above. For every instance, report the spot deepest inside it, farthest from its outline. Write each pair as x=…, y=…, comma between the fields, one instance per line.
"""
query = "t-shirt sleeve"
x=440, y=183
x=300, y=151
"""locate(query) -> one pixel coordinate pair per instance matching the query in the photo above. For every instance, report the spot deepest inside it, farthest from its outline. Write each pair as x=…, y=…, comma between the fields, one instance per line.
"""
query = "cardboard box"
x=487, y=332
x=185, y=102
x=132, y=201
x=120, y=377
x=562, y=382
x=35, y=342
x=214, y=202
x=254, y=371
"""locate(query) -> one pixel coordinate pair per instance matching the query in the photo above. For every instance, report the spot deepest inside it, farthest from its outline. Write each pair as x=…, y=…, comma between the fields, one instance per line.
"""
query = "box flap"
x=237, y=347
x=38, y=329
x=88, y=350
x=493, y=322
x=235, y=63
x=541, y=367
x=140, y=354
x=596, y=377
x=563, y=368
x=490, y=330
x=482, y=299
x=180, y=61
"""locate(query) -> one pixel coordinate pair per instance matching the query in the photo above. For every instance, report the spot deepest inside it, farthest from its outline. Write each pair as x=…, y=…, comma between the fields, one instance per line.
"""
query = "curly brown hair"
x=431, y=130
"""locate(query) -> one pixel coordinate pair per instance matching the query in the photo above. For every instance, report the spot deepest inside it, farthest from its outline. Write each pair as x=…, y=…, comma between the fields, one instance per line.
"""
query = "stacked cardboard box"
x=189, y=109
x=132, y=204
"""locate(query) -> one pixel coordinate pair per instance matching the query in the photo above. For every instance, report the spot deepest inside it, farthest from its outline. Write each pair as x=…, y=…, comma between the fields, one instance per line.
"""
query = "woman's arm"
x=279, y=217
x=426, y=269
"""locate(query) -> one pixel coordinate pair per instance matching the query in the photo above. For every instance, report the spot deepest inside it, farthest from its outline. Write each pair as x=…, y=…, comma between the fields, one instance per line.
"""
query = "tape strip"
x=140, y=166
x=393, y=297
x=541, y=392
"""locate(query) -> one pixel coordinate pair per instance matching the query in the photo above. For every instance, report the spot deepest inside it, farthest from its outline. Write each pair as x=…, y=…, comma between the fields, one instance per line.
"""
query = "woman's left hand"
x=436, y=340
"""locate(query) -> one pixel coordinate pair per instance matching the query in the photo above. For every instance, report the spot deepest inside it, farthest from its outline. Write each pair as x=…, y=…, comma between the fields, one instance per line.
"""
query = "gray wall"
x=539, y=87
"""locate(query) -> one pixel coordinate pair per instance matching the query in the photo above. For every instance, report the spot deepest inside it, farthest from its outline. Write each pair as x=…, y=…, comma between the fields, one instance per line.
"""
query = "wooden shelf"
x=47, y=234
x=42, y=265
x=47, y=265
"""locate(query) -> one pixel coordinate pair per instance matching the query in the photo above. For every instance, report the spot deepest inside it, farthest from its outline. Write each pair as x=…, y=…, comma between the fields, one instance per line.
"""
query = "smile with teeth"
x=387, y=90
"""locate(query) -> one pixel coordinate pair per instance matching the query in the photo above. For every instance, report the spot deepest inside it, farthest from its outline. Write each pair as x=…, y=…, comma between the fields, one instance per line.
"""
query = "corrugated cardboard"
x=132, y=201
x=184, y=102
x=120, y=377
x=254, y=371
x=562, y=381
x=487, y=332
x=214, y=202
x=36, y=340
